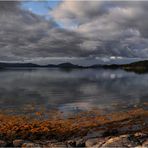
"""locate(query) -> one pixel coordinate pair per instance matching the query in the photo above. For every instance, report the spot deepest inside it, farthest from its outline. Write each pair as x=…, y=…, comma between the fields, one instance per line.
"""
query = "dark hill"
x=139, y=64
x=137, y=67
x=69, y=65
x=29, y=65
x=19, y=65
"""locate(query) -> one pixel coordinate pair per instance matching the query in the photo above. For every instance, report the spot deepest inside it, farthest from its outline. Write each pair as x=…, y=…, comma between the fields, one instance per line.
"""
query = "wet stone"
x=18, y=142
x=30, y=144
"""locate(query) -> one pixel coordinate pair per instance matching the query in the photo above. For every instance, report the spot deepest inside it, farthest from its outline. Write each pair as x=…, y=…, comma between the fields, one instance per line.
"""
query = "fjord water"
x=72, y=90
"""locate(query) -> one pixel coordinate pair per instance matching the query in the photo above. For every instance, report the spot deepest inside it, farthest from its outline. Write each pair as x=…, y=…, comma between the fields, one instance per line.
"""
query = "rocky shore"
x=123, y=129
x=138, y=139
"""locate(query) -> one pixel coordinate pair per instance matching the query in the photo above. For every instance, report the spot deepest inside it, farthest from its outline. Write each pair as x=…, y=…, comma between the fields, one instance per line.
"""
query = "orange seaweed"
x=25, y=127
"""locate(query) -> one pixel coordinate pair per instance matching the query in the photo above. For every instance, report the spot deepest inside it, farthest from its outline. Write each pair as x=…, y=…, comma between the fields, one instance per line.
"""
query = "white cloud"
x=90, y=45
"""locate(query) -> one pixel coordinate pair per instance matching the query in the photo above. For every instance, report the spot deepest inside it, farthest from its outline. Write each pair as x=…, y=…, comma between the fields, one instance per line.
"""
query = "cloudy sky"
x=53, y=30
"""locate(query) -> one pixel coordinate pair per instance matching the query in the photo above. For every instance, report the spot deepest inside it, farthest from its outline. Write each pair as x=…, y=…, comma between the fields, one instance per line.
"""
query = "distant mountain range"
x=140, y=66
x=31, y=65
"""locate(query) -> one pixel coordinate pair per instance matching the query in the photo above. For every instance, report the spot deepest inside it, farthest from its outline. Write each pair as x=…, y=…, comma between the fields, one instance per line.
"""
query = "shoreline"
x=76, y=130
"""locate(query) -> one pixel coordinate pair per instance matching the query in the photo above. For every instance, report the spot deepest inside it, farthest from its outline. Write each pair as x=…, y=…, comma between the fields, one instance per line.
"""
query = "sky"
x=51, y=31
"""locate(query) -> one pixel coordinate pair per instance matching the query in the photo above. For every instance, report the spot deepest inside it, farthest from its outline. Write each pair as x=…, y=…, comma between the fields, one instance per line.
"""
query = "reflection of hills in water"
x=82, y=88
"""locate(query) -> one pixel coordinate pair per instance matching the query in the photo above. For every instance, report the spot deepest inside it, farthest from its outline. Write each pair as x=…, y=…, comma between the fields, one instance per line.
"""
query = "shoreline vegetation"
x=126, y=128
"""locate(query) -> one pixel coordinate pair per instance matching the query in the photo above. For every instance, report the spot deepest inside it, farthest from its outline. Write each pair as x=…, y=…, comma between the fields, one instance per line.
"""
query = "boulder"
x=121, y=141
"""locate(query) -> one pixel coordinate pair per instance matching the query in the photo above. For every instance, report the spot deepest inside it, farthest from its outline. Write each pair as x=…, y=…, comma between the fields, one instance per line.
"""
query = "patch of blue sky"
x=43, y=8
x=40, y=7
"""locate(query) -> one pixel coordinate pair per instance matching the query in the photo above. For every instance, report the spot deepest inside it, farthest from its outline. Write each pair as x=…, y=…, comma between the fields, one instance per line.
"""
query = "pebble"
x=18, y=142
x=30, y=144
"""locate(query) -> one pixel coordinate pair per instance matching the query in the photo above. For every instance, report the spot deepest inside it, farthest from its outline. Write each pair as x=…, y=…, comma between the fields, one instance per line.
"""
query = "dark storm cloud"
x=110, y=27
x=99, y=28
x=25, y=35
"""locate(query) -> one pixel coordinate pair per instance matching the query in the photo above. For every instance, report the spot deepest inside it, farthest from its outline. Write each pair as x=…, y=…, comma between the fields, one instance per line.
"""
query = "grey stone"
x=91, y=142
x=95, y=142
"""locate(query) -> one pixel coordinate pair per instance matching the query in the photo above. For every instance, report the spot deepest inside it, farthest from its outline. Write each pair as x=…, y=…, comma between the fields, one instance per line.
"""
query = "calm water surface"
x=72, y=91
